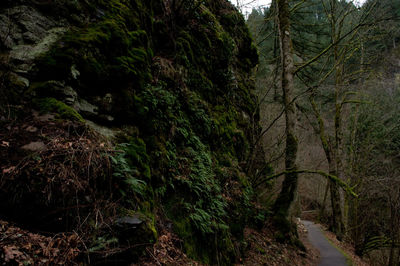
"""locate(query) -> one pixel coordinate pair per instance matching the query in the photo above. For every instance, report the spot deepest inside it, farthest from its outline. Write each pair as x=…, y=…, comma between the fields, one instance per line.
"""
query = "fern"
x=126, y=171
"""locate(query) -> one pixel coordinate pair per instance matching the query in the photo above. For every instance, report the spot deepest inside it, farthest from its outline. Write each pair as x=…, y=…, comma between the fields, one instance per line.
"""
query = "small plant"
x=126, y=170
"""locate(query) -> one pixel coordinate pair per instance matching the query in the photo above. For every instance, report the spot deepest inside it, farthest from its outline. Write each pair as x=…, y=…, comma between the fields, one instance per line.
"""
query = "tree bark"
x=331, y=157
x=335, y=167
x=287, y=195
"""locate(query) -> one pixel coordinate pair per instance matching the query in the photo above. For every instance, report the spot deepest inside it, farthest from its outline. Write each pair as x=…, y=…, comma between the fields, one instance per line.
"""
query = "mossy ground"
x=63, y=111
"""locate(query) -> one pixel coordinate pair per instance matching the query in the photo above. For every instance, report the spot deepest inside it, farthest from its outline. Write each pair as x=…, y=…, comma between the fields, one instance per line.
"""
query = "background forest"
x=347, y=93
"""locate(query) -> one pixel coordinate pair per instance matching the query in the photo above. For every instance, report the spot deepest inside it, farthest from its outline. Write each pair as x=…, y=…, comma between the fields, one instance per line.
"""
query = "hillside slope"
x=123, y=120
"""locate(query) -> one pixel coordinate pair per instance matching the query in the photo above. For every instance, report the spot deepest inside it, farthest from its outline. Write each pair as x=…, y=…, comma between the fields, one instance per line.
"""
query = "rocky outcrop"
x=27, y=34
x=169, y=84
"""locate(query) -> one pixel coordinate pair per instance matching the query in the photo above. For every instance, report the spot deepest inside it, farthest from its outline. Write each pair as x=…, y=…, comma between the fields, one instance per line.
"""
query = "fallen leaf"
x=11, y=253
x=31, y=129
x=27, y=246
x=5, y=144
x=8, y=170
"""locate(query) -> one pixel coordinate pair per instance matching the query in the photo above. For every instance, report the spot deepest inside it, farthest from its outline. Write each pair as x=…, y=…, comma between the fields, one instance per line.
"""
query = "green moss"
x=261, y=250
x=63, y=111
x=184, y=49
x=110, y=52
x=146, y=209
x=189, y=133
x=136, y=155
x=231, y=20
x=248, y=100
x=198, y=82
x=146, y=233
x=135, y=64
x=191, y=245
x=226, y=131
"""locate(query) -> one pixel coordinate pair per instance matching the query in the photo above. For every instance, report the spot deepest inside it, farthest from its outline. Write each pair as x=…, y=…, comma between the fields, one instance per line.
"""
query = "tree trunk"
x=356, y=180
x=331, y=155
x=322, y=210
x=336, y=168
x=289, y=187
x=337, y=225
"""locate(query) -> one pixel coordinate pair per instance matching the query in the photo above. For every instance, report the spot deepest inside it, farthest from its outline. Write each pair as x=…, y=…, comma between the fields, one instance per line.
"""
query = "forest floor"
x=21, y=246
x=264, y=250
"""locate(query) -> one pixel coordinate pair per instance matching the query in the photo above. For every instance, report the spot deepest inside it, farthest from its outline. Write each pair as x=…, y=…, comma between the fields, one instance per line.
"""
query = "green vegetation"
x=345, y=87
x=131, y=164
x=106, y=52
x=174, y=78
x=189, y=165
x=63, y=111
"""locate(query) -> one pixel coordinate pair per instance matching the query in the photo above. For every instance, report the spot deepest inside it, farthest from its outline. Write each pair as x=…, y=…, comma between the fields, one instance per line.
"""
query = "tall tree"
x=341, y=57
x=289, y=187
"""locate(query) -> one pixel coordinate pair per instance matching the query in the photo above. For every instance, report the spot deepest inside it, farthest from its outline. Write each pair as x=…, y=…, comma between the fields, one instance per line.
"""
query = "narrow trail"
x=330, y=256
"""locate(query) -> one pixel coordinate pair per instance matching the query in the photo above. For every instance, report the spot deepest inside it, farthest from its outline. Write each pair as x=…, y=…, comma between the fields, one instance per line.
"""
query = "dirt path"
x=330, y=256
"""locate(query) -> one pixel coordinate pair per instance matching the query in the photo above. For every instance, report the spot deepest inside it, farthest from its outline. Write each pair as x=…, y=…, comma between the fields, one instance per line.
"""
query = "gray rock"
x=27, y=53
x=27, y=34
x=134, y=229
x=10, y=34
x=107, y=118
x=31, y=129
x=21, y=25
x=105, y=131
x=69, y=95
x=31, y=20
x=34, y=146
x=46, y=117
x=51, y=88
x=84, y=107
x=58, y=90
x=245, y=117
x=130, y=221
x=75, y=72
x=107, y=102
x=127, y=227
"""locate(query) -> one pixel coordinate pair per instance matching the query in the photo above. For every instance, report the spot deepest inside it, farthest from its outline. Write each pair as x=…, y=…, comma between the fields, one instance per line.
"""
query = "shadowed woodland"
x=179, y=132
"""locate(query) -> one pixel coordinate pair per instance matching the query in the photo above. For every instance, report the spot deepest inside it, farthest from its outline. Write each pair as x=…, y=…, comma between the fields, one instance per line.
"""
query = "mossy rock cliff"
x=175, y=81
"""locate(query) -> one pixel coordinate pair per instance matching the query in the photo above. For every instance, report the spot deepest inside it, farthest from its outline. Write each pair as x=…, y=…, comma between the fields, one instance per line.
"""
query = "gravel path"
x=330, y=256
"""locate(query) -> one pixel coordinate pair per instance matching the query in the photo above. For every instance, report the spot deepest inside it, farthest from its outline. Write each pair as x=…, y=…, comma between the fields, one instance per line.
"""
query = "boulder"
x=26, y=53
x=135, y=229
x=27, y=33
x=85, y=108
